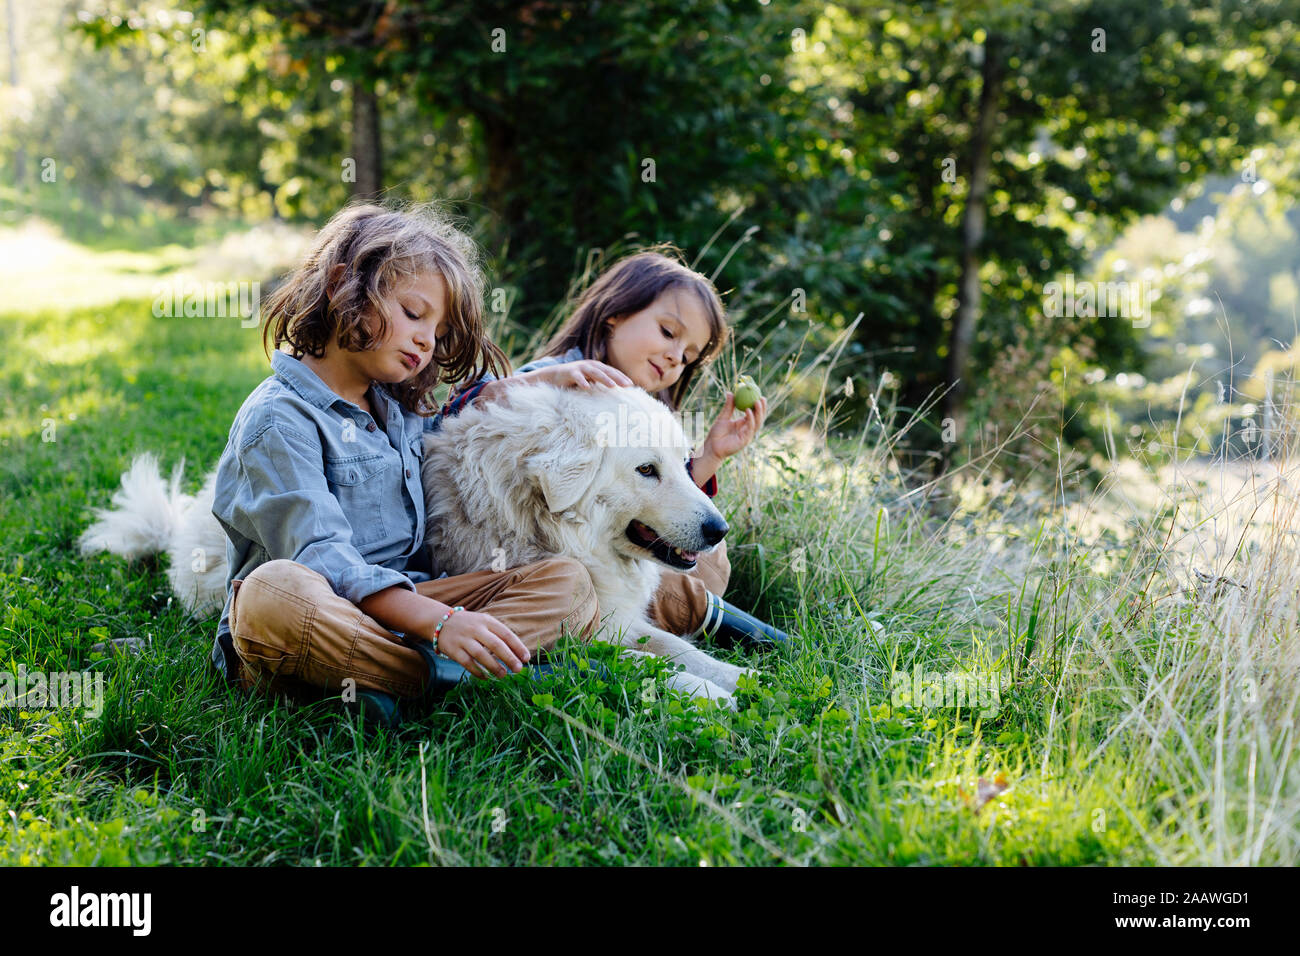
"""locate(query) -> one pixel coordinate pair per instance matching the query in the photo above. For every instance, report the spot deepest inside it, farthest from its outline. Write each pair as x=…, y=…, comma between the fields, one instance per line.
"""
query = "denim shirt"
x=309, y=476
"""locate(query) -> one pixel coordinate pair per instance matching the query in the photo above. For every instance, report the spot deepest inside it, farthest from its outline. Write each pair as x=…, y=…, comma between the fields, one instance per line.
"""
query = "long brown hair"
x=377, y=246
x=629, y=286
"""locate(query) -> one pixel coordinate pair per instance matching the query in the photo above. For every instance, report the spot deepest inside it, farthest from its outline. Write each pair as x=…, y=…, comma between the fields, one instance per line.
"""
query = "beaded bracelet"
x=438, y=630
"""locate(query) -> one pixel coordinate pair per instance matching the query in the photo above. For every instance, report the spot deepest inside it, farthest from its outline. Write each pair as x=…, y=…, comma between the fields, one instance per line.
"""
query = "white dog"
x=599, y=476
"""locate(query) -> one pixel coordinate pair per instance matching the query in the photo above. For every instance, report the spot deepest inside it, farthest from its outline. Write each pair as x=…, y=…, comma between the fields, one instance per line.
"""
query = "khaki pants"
x=681, y=602
x=294, y=635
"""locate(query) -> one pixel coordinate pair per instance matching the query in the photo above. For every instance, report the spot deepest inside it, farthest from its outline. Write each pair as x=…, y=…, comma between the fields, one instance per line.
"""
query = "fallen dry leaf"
x=985, y=790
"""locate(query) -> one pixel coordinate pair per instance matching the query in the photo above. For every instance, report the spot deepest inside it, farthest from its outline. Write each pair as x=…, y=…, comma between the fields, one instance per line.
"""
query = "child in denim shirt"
x=319, y=489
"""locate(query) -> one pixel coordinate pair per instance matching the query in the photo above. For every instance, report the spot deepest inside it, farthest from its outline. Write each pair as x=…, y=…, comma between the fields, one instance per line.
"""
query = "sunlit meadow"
x=1134, y=643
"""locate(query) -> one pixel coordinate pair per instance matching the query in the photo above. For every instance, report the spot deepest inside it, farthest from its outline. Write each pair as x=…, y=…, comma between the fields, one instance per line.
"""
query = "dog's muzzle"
x=712, y=530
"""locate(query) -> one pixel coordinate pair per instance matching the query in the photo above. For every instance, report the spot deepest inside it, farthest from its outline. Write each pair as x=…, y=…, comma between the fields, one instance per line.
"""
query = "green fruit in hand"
x=747, y=393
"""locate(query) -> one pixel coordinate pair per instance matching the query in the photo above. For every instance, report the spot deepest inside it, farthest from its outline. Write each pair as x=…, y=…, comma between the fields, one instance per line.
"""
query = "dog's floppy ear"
x=565, y=455
x=564, y=471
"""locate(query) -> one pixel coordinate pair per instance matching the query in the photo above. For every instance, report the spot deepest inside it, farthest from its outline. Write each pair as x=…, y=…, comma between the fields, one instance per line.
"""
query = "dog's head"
x=616, y=460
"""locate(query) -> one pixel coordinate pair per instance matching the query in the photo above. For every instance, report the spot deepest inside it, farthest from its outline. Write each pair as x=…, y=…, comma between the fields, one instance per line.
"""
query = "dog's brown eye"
x=650, y=471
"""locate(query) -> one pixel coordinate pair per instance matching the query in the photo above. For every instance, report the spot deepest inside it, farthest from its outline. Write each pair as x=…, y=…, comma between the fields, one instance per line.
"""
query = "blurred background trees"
x=929, y=167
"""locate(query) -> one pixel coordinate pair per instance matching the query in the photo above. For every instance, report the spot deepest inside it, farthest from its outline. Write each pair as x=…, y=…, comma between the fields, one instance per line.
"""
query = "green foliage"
x=1086, y=140
x=812, y=155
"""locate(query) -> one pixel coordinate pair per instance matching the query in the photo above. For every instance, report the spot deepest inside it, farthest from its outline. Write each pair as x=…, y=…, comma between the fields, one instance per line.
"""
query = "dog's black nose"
x=714, y=530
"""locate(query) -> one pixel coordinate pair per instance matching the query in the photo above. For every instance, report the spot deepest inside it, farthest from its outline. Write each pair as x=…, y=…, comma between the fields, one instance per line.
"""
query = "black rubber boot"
x=377, y=709
x=381, y=709
x=727, y=626
x=444, y=673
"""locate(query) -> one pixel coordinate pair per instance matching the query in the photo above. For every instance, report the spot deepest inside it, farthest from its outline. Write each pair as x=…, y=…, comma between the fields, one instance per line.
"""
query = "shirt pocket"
x=357, y=481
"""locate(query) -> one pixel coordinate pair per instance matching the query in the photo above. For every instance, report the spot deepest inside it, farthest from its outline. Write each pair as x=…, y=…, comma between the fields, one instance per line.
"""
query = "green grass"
x=1138, y=724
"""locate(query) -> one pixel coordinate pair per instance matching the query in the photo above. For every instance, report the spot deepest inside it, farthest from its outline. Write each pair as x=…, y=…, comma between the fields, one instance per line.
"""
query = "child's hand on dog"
x=584, y=374
x=727, y=437
x=581, y=374
x=480, y=643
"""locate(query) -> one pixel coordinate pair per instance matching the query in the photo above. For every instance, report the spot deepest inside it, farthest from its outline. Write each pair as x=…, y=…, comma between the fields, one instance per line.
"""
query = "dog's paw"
x=721, y=698
x=698, y=686
x=729, y=676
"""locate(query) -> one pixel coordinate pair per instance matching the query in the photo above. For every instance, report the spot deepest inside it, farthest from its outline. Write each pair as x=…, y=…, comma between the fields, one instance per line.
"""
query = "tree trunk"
x=20, y=155
x=973, y=219
x=366, y=149
x=506, y=194
x=501, y=191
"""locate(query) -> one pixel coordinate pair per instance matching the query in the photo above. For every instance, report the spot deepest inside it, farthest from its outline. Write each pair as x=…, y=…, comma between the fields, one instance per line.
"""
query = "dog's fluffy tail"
x=145, y=514
x=151, y=515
